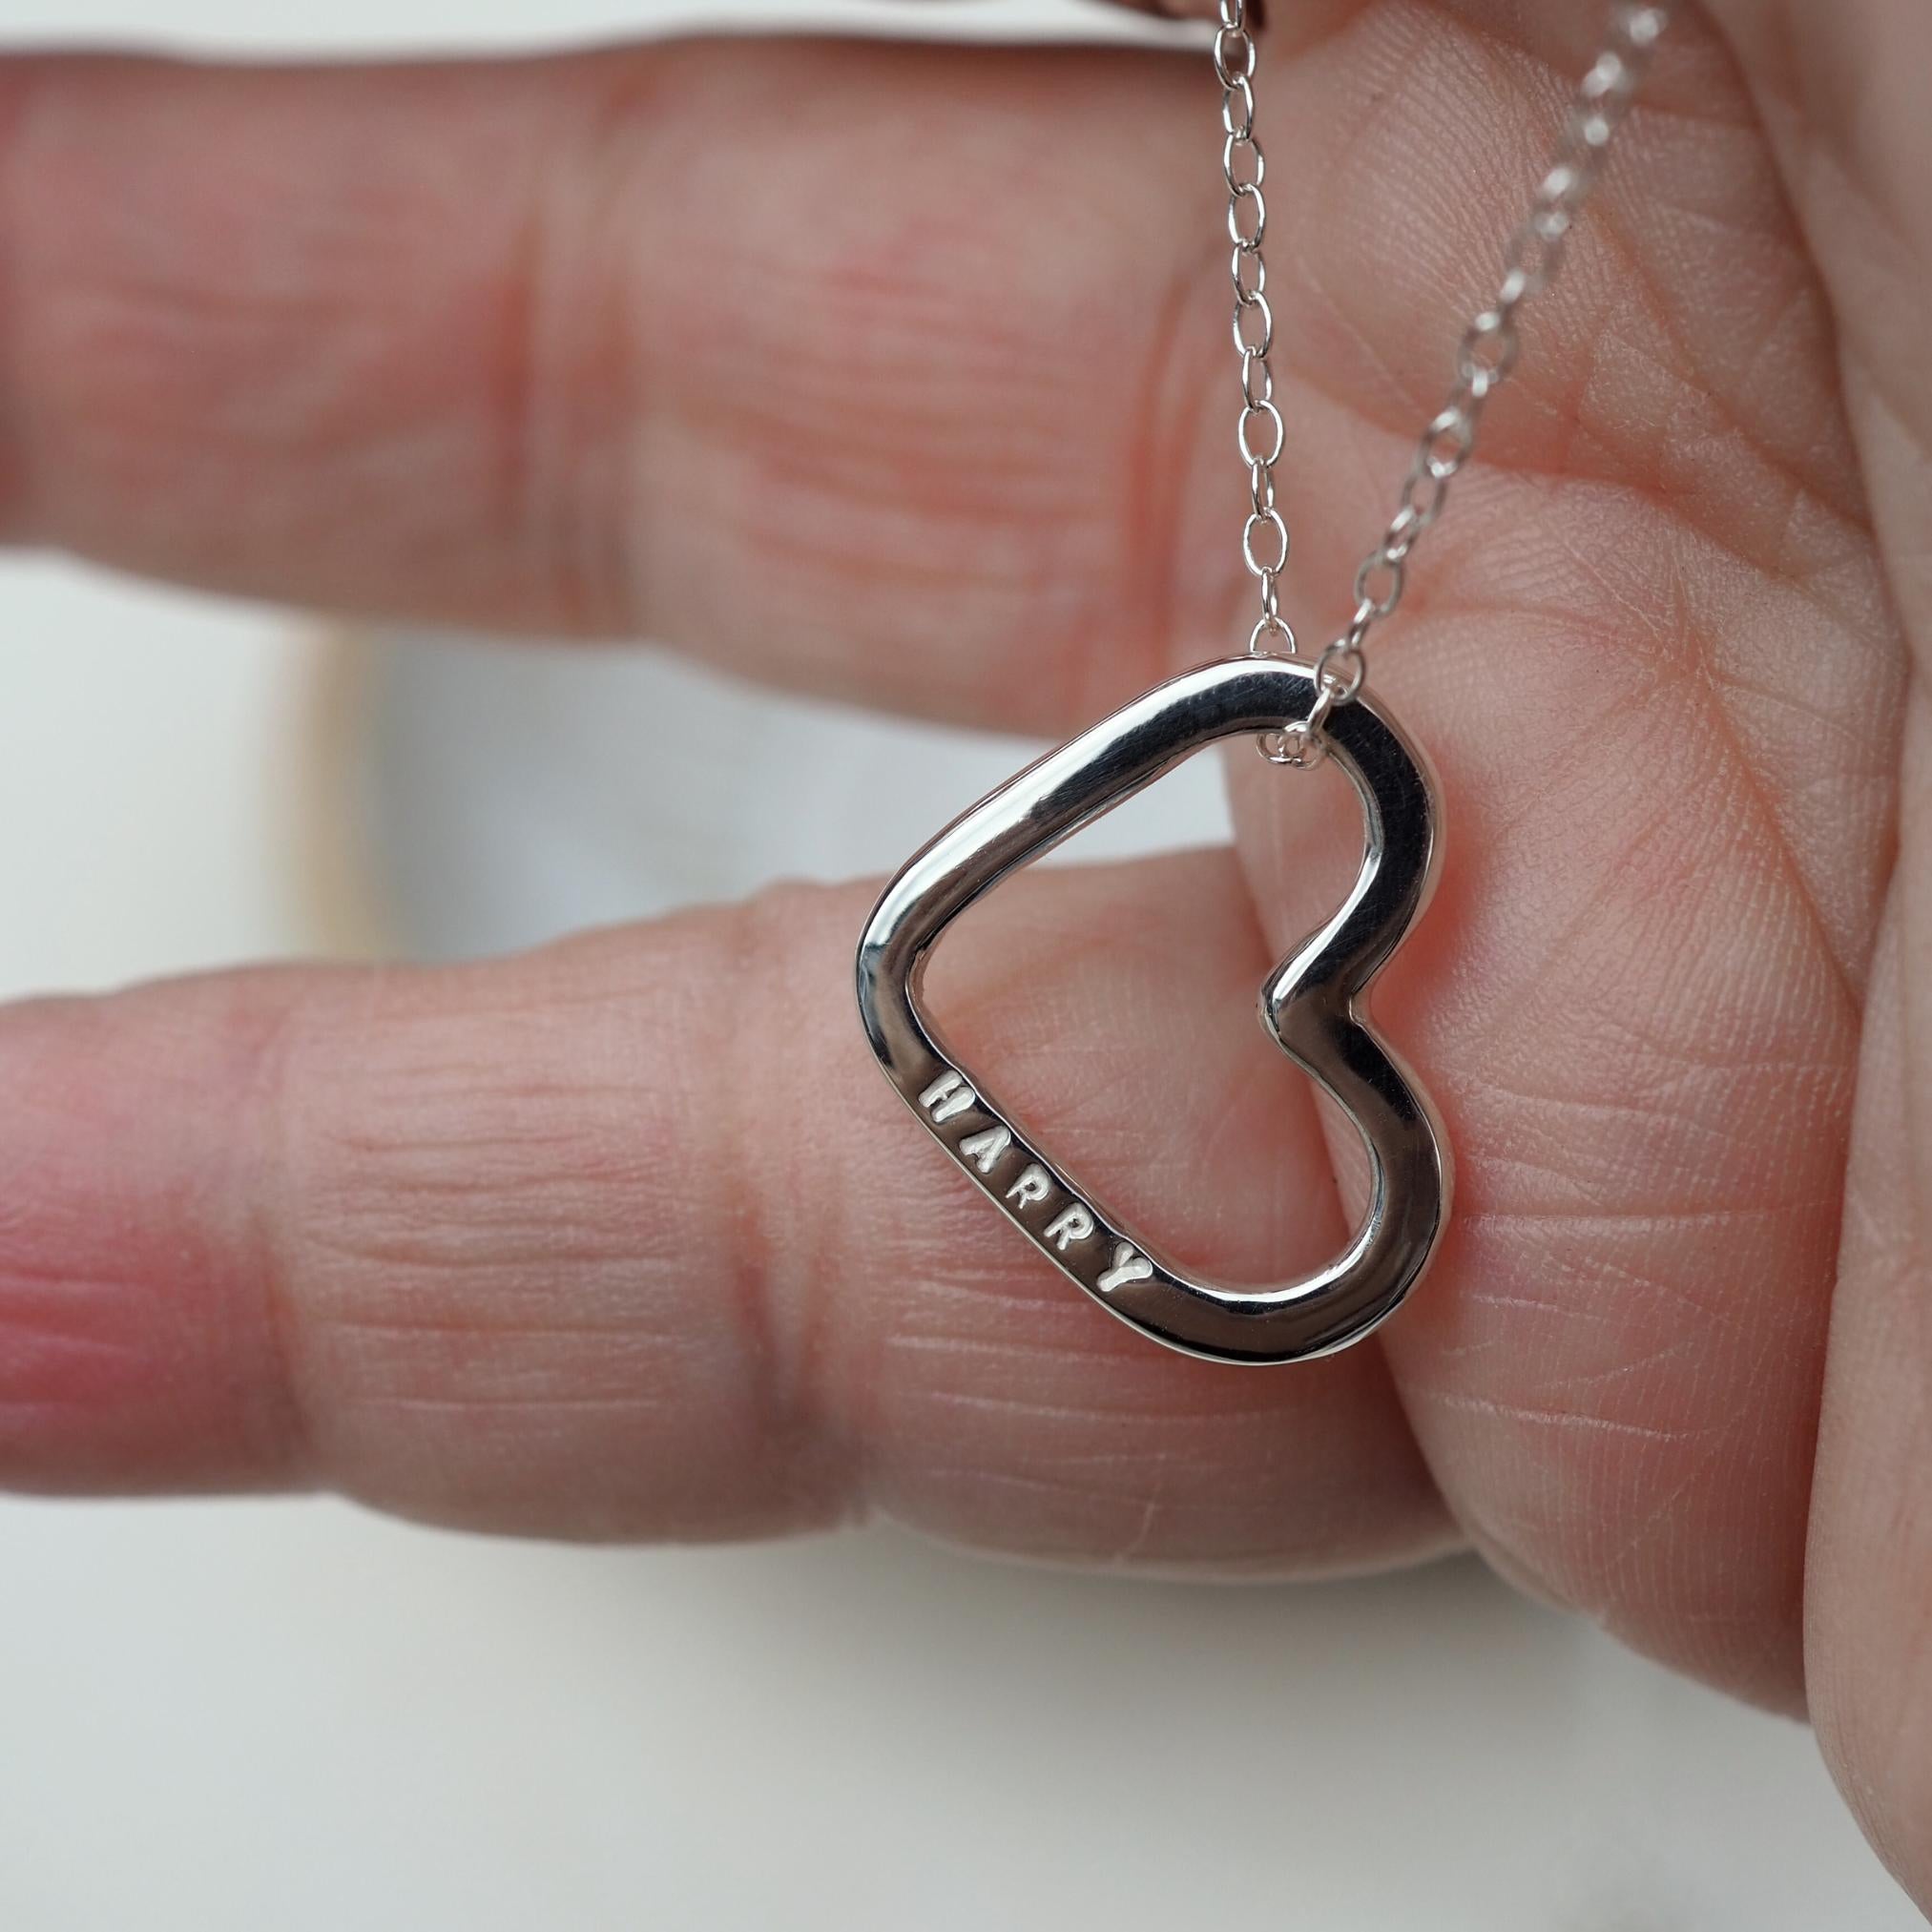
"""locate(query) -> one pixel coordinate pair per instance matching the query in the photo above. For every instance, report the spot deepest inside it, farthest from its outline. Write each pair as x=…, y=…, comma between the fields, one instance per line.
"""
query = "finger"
x=762, y=348
x=1841, y=98
x=628, y=1237
x=1871, y=1543
x=927, y=398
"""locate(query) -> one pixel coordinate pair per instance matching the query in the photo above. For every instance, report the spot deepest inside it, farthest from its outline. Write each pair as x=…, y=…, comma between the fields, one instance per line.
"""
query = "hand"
x=903, y=374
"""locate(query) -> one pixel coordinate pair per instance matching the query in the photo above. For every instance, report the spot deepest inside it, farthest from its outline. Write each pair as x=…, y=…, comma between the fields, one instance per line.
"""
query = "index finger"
x=765, y=351
x=627, y=1238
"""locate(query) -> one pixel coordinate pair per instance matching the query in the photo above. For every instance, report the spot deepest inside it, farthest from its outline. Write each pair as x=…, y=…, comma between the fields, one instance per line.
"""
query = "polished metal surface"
x=1312, y=1005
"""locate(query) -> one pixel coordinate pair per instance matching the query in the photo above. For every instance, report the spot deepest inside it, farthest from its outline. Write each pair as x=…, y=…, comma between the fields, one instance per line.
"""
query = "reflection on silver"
x=1310, y=1006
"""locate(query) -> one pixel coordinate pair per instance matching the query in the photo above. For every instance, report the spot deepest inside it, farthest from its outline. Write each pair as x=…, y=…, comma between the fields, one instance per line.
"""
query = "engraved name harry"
x=949, y=1096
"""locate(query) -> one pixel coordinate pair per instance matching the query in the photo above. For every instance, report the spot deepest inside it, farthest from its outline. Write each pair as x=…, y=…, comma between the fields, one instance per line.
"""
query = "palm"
x=970, y=452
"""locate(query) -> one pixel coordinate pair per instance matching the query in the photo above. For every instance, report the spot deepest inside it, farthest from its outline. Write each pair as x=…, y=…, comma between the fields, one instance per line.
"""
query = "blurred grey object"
x=504, y=794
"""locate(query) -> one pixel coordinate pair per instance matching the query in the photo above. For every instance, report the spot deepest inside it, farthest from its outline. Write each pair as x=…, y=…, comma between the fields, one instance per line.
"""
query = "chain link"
x=1486, y=357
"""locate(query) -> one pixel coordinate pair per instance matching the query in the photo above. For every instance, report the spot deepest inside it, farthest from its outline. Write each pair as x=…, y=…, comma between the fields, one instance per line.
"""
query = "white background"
x=226, y=1715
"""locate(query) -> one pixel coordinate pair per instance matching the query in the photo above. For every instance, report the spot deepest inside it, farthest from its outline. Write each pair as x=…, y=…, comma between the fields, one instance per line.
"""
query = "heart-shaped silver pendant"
x=1310, y=1006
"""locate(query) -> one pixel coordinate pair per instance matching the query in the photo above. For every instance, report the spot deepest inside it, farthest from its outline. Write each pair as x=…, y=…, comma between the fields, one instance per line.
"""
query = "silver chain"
x=1486, y=358
x=1245, y=167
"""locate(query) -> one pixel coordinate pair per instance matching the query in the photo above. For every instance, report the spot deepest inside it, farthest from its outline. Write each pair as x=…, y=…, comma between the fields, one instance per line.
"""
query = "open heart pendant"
x=1311, y=1006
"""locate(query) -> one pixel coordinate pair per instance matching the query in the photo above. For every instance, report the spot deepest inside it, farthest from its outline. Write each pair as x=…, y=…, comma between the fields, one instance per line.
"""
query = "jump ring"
x=1380, y=601
x=1427, y=505
x=1261, y=307
x=1236, y=183
x=1295, y=745
x=1230, y=41
x=1447, y=445
x=1246, y=192
x=1270, y=520
x=1242, y=89
x=1261, y=412
x=1338, y=685
x=1489, y=350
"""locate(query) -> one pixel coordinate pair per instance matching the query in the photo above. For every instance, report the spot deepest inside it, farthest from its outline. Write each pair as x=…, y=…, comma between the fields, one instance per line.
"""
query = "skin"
x=903, y=374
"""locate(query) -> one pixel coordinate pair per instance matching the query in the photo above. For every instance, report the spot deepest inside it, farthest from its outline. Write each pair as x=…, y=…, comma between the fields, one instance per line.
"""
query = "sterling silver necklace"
x=1301, y=712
